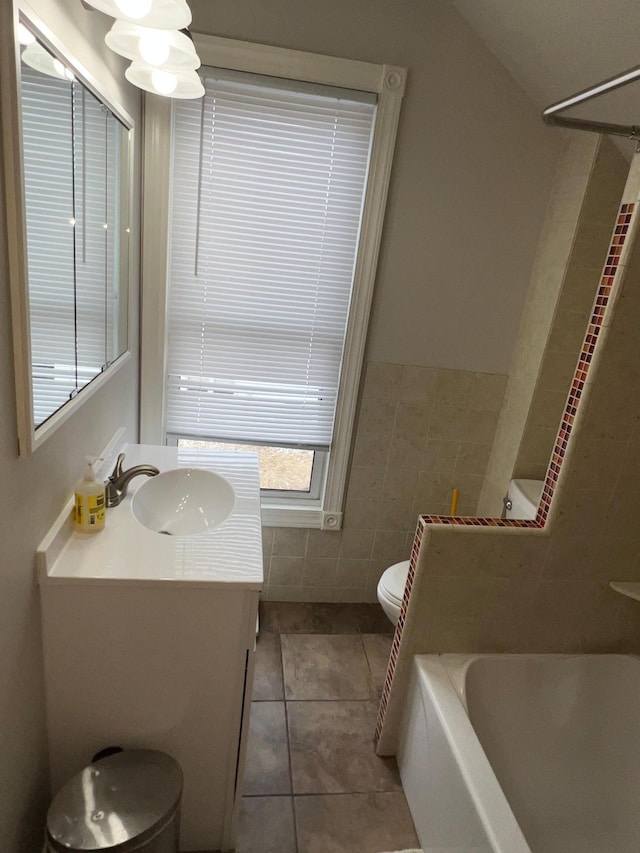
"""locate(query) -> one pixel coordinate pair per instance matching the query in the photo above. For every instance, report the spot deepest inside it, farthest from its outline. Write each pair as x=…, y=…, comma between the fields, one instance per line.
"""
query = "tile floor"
x=313, y=783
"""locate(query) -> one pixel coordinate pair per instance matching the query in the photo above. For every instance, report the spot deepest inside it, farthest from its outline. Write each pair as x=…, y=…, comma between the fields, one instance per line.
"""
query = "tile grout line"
x=372, y=697
x=372, y=690
x=352, y=794
x=286, y=722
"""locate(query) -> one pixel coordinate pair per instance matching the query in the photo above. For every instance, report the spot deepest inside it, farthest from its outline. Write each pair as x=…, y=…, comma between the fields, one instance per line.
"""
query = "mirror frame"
x=31, y=437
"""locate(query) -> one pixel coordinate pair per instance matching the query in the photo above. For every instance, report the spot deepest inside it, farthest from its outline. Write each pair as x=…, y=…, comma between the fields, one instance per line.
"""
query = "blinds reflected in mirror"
x=47, y=109
x=73, y=169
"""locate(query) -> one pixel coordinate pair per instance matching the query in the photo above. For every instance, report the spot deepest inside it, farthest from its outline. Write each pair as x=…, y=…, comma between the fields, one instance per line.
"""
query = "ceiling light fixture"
x=152, y=46
x=168, y=80
x=159, y=14
x=164, y=82
x=25, y=36
x=154, y=35
x=134, y=8
x=36, y=57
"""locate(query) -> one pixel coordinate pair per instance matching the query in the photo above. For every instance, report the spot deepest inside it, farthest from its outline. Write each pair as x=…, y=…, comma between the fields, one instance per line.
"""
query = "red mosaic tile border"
x=607, y=283
x=603, y=297
x=397, y=637
x=469, y=521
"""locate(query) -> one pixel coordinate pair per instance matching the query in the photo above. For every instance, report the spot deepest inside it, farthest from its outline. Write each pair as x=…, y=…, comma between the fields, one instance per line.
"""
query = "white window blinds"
x=71, y=157
x=267, y=191
x=96, y=153
x=49, y=204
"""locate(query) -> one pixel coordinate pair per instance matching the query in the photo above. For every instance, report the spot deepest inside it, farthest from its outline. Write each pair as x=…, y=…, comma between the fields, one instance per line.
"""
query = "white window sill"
x=290, y=515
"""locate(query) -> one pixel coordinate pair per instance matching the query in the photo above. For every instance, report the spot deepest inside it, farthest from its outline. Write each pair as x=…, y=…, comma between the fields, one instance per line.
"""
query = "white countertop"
x=127, y=552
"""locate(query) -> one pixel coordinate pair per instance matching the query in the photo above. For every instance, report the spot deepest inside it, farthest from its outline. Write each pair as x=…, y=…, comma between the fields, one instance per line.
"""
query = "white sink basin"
x=183, y=502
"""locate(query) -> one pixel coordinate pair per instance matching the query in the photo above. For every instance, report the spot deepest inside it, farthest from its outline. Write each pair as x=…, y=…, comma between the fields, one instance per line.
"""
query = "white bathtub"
x=523, y=753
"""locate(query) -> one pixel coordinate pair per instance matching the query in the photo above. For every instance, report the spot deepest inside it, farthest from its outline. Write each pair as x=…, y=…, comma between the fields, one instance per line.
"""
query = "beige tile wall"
x=574, y=238
x=502, y=590
x=573, y=309
x=420, y=433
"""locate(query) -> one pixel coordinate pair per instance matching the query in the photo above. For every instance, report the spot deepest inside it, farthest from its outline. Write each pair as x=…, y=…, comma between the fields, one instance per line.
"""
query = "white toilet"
x=521, y=501
x=523, y=498
x=391, y=589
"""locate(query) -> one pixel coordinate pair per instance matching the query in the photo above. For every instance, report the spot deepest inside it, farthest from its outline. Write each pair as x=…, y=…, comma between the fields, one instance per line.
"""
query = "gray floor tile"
x=354, y=823
x=267, y=764
x=325, y=667
x=299, y=618
x=266, y=825
x=267, y=677
x=268, y=617
x=377, y=648
x=332, y=749
x=372, y=619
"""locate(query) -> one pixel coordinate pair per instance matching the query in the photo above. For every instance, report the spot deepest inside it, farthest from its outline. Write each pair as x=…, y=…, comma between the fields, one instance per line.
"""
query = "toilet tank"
x=523, y=498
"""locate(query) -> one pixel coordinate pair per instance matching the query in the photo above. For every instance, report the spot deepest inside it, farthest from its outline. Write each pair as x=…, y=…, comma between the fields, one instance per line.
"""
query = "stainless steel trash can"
x=126, y=802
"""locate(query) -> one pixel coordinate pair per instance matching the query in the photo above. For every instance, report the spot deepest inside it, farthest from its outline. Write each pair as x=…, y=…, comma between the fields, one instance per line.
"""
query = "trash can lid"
x=126, y=796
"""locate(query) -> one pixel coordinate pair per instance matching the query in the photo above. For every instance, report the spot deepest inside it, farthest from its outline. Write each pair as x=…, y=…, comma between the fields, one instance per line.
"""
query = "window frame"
x=275, y=497
x=388, y=83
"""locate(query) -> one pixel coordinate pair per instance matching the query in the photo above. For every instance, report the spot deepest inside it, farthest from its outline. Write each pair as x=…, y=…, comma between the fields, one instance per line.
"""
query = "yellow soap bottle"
x=89, y=515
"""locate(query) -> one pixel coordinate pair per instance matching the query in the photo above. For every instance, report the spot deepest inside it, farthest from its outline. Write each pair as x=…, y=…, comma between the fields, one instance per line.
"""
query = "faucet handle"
x=117, y=471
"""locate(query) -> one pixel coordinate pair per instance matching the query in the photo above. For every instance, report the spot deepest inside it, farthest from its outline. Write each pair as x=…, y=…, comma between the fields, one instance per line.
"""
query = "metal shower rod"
x=551, y=114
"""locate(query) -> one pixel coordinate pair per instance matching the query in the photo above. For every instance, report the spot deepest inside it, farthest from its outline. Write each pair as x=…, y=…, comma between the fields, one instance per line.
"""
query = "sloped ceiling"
x=554, y=48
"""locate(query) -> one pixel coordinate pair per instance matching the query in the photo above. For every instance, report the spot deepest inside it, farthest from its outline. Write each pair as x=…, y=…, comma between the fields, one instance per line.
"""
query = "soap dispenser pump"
x=89, y=515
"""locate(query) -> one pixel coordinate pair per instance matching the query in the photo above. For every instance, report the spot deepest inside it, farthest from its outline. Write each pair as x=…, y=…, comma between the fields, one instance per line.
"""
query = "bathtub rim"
x=456, y=665
x=491, y=805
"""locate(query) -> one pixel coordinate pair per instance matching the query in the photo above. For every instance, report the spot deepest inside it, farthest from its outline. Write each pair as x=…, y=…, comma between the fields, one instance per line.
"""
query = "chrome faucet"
x=118, y=482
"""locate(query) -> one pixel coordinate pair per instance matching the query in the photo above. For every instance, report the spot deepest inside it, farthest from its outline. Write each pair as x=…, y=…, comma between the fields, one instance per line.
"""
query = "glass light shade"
x=36, y=57
x=164, y=82
x=152, y=46
x=134, y=8
x=160, y=14
x=25, y=36
x=160, y=81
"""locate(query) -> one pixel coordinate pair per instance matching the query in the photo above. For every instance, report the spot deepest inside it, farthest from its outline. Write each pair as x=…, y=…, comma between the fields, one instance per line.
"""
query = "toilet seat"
x=391, y=589
x=394, y=580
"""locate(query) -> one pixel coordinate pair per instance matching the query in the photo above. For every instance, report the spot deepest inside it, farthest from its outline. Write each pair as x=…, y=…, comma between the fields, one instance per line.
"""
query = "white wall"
x=571, y=55
x=33, y=492
x=471, y=177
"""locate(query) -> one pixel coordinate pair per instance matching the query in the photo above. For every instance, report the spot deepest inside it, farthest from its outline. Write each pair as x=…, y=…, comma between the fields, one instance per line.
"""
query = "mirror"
x=71, y=286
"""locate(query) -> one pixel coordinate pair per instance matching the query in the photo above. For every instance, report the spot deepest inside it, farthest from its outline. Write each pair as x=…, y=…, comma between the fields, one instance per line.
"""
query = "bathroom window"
x=283, y=470
x=271, y=182
x=268, y=180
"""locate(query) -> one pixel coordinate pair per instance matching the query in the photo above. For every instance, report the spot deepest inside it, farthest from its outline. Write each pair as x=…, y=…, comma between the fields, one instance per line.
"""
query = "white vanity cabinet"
x=149, y=642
